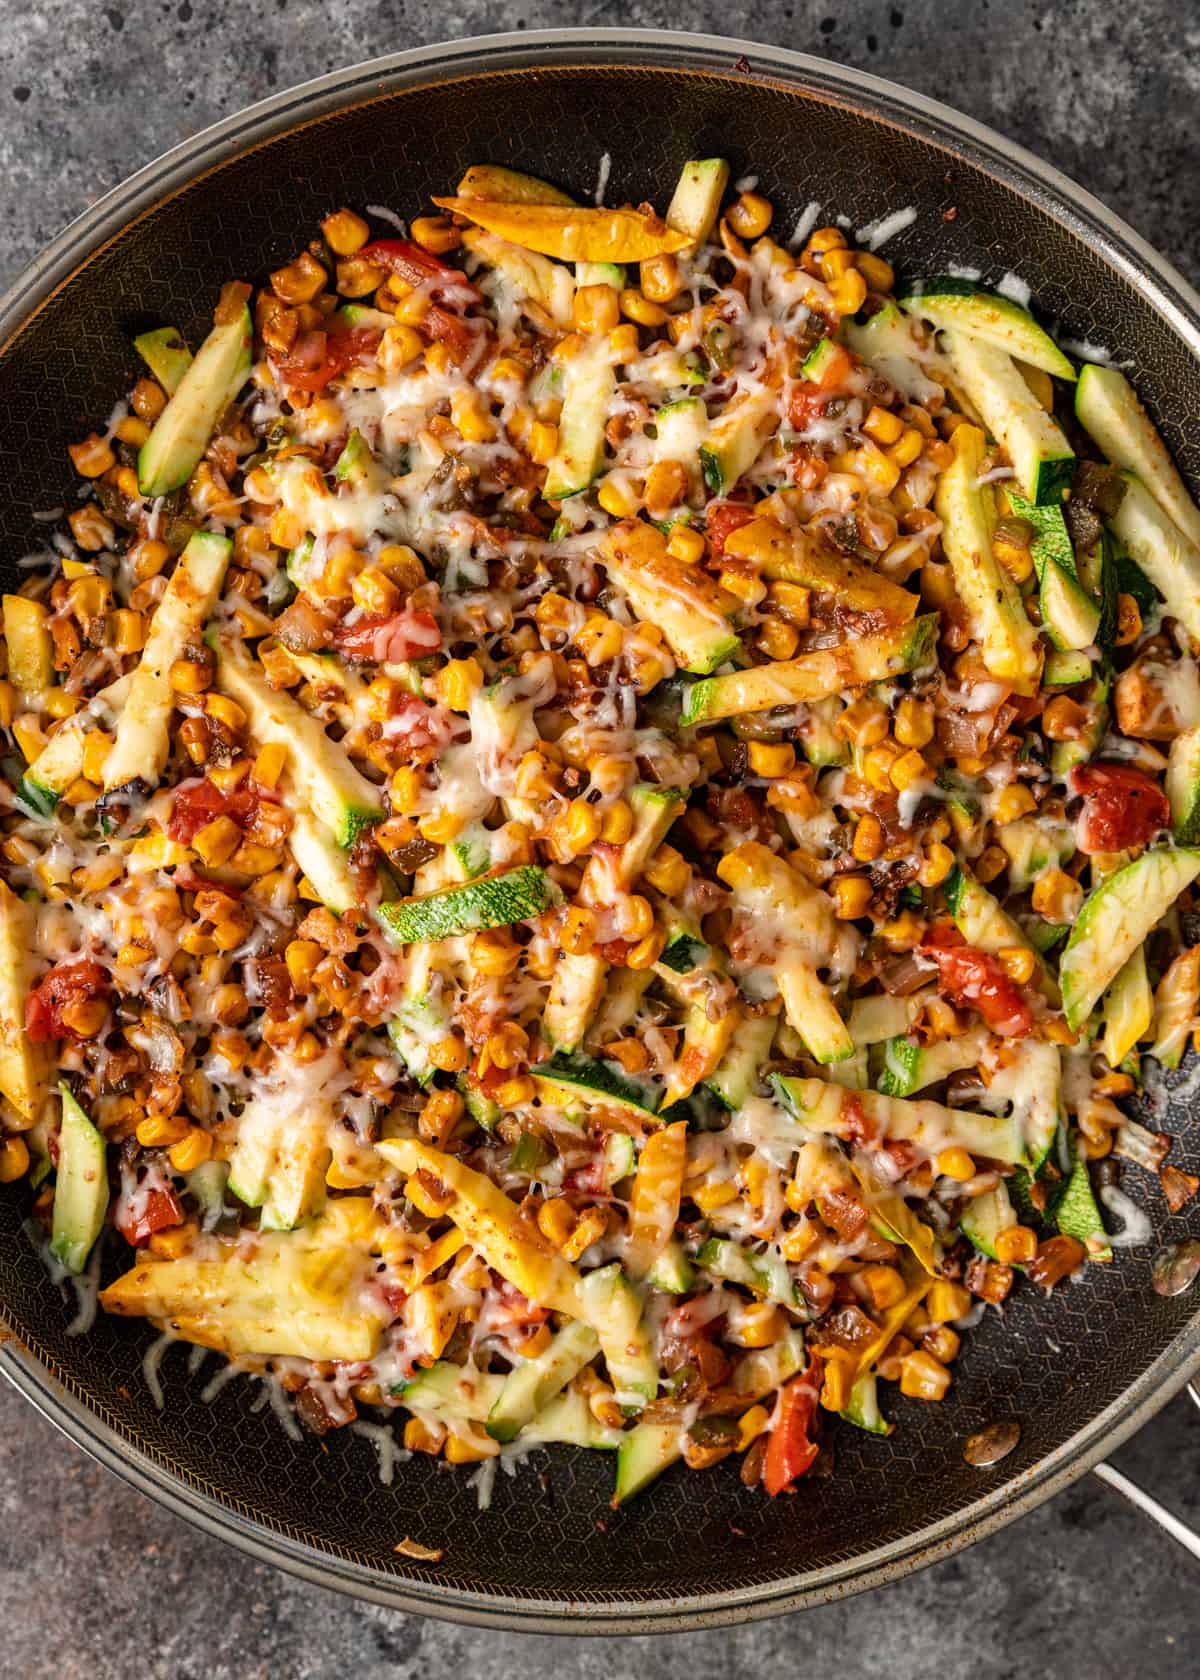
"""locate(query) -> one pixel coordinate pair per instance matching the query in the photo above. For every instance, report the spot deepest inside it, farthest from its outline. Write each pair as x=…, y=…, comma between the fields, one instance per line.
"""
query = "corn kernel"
x=668, y=872
x=617, y=497
x=936, y=865
x=424, y=1437
x=1057, y=896
x=751, y=1425
x=661, y=279
x=623, y=344
x=910, y=767
x=877, y=765
x=947, y=1301
x=617, y=823
x=864, y=723
x=160, y=1130
x=879, y=275
x=92, y=457
x=760, y=1325
x=883, y=426
x=436, y=234
x=449, y=1054
x=923, y=1378
x=639, y=308
x=686, y=545
x=542, y=442
x=956, y=1164
x=597, y=309
x=591, y=1227
x=459, y=1450
x=884, y=1285
x=1016, y=1246
x=406, y=790
x=848, y=294
x=770, y=758
x=914, y=722
x=374, y=591
x=441, y=827
x=191, y=1150
x=458, y=682
x=868, y=838
x=217, y=841
x=556, y=1220
x=851, y=896
x=709, y=1197
x=992, y=861
x=777, y=638
x=172, y=1244
x=14, y=1159
x=1019, y=963
x=909, y=447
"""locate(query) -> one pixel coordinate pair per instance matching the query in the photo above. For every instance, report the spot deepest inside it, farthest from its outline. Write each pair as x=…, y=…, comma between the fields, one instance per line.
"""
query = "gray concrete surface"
x=97, y=1583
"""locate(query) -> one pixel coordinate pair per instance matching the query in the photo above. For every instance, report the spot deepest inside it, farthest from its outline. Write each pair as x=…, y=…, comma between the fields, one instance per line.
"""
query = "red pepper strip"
x=789, y=1451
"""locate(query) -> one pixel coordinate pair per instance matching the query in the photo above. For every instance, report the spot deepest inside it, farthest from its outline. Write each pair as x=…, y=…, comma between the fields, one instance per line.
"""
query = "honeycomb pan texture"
x=1086, y=1361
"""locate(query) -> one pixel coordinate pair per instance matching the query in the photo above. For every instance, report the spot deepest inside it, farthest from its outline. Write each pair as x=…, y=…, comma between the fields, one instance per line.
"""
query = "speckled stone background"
x=97, y=1584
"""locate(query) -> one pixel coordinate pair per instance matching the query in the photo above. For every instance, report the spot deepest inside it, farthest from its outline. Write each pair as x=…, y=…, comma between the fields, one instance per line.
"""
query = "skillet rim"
x=1017, y=171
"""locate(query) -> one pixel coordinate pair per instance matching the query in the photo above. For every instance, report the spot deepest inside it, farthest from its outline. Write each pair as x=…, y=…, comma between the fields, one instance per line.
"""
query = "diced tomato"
x=389, y=637
x=789, y=1451
x=157, y=1210
x=806, y=402
x=977, y=980
x=67, y=983
x=196, y=805
x=1122, y=807
x=441, y=327
x=420, y=269
x=722, y=519
x=318, y=357
x=512, y=1309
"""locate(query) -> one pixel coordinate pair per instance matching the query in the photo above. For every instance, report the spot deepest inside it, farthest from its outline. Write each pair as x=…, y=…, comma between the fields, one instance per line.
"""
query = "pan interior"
x=548, y=1541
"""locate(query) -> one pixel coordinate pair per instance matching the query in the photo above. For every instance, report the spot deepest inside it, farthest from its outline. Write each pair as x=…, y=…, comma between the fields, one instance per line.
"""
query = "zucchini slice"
x=81, y=1187
x=143, y=740
x=984, y=924
x=696, y=201
x=588, y=385
x=1169, y=559
x=166, y=355
x=985, y=1217
x=326, y=782
x=614, y=1309
x=886, y=343
x=574, y=1081
x=812, y=676
x=735, y=440
x=60, y=761
x=1077, y=1215
x=823, y=1107
x=1182, y=783
x=1041, y=456
x=1107, y=407
x=1116, y=919
x=30, y=653
x=183, y=429
x=533, y=1383
x=949, y=302
x=1070, y=616
x=794, y=557
x=1128, y=1009
x=280, y=1161
x=512, y=895
x=576, y=989
x=23, y=1071
x=530, y=275
x=644, y=1453
x=679, y=599
x=988, y=592
x=909, y=1066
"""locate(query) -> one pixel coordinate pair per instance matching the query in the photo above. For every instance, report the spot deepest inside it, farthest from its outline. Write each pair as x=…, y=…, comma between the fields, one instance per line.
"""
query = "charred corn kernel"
x=910, y=767
x=460, y=1450
x=956, y=1164
x=744, y=585
x=14, y=1159
x=542, y=442
x=428, y=1195
x=436, y=234
x=992, y=861
x=942, y=1344
x=91, y=457
x=133, y=431
x=495, y=952
x=947, y=1301
x=345, y=232
x=458, y=682
x=751, y=1425
x=665, y=486
x=771, y=758
x=174, y=1243
x=217, y=841
x=864, y=723
x=147, y=558
x=196, y=942
x=59, y=704
x=750, y=215
x=824, y=239
x=905, y=932
x=668, y=872
x=441, y=827
x=508, y=1045
x=616, y=825
x=556, y=1220
x=193, y=1148
x=424, y=1437
x=922, y=1377
x=508, y=370
x=709, y=1197
x=661, y=279
x=129, y=631
x=868, y=838
x=578, y=827
x=1016, y=1246
x=879, y=275
x=1129, y=620
x=686, y=545
x=133, y=955
x=851, y=897
x=1013, y=802
x=1019, y=962
x=578, y=933
x=269, y=763
x=833, y=264
x=374, y=591
x=777, y=638
x=942, y=1019
x=870, y=460
x=91, y=530
x=302, y=957
x=189, y=676
x=623, y=344
x=470, y=416
x=639, y=308
x=935, y=865
x=597, y=309
x=909, y=447
x=227, y=712
x=591, y=1227
x=884, y=1286
x=148, y=399
x=914, y=722
x=600, y=639
x=406, y=790
x=759, y=1326
x=646, y=952
x=1015, y=556
x=618, y=497
x=848, y=293
x=399, y=346
x=86, y=1017
x=1056, y=895
x=159, y=1131
x=883, y=426
x=635, y=918
x=1063, y=718
x=449, y=1054
x=299, y=281
x=514, y=1092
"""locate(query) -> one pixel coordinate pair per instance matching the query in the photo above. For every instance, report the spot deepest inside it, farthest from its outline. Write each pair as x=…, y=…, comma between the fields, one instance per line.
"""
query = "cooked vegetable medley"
x=598, y=811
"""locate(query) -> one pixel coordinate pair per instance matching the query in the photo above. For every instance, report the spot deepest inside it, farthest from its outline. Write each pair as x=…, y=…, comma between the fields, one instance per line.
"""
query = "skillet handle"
x=1166, y=1520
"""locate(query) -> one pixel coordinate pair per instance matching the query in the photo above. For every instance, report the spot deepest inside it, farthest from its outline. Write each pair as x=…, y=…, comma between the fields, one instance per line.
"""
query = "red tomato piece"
x=806, y=402
x=976, y=980
x=789, y=1451
x=389, y=637
x=155, y=1210
x=318, y=357
x=420, y=269
x=70, y=982
x=722, y=519
x=196, y=805
x=441, y=327
x=1122, y=807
